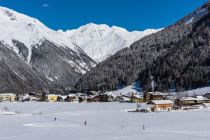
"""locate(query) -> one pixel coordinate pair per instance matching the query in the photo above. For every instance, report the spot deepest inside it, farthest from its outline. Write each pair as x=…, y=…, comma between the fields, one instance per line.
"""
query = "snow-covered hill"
x=102, y=41
x=128, y=90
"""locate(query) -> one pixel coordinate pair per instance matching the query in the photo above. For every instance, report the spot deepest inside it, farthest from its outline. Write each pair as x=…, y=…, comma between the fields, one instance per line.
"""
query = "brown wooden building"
x=161, y=105
x=154, y=96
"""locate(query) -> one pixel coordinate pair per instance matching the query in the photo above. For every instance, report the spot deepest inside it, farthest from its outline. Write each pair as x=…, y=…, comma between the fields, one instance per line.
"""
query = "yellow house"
x=52, y=97
x=10, y=97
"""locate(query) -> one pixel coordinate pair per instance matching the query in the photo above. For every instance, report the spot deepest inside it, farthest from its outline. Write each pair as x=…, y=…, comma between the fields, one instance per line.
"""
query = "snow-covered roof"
x=197, y=98
x=138, y=96
x=111, y=94
x=188, y=98
x=125, y=99
x=72, y=95
x=63, y=97
x=158, y=93
x=7, y=94
x=201, y=98
x=52, y=95
x=158, y=102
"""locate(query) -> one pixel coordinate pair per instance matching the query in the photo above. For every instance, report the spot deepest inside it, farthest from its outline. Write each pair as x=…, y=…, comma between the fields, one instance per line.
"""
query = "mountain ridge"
x=139, y=62
x=100, y=41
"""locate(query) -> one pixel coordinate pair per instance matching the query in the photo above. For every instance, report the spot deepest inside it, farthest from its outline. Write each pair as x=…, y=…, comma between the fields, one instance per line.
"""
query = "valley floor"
x=105, y=121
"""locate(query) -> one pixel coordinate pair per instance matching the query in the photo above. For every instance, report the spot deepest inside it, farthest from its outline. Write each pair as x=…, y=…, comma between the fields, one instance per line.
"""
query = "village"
x=147, y=102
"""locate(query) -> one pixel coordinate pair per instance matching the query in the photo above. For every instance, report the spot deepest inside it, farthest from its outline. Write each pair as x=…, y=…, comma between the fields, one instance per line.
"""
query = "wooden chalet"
x=160, y=105
x=154, y=96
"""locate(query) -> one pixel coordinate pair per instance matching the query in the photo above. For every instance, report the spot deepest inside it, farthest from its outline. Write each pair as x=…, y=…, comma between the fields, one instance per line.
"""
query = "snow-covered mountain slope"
x=46, y=51
x=102, y=41
x=30, y=31
x=128, y=90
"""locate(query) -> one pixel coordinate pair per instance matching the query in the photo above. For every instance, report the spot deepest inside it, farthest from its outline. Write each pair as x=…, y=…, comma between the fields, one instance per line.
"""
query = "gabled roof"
x=201, y=98
x=159, y=102
x=64, y=97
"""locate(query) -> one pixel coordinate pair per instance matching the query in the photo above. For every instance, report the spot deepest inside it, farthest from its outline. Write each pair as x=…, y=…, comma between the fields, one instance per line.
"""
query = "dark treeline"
x=186, y=65
x=177, y=55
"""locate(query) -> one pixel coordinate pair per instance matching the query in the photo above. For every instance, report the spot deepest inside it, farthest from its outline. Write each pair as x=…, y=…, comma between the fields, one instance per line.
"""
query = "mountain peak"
x=94, y=25
x=29, y=31
x=100, y=41
x=9, y=13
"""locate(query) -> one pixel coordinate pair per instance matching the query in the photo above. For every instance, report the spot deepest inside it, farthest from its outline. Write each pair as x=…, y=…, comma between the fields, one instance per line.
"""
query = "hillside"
x=172, y=56
x=18, y=77
x=36, y=56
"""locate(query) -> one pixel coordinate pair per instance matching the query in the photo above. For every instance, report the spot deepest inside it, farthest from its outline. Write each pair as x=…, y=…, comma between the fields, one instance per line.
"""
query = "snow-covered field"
x=105, y=121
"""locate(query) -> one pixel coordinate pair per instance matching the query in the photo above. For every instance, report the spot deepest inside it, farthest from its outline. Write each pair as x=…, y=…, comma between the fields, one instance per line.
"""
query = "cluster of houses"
x=158, y=101
x=78, y=97
x=150, y=101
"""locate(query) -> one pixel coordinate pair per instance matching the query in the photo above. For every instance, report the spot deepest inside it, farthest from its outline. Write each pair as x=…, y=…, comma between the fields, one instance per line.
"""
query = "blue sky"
x=129, y=14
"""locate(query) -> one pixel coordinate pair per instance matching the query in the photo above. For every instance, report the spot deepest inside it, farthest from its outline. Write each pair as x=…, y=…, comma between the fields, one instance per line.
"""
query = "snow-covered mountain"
x=176, y=57
x=35, y=56
x=47, y=52
x=102, y=41
x=29, y=31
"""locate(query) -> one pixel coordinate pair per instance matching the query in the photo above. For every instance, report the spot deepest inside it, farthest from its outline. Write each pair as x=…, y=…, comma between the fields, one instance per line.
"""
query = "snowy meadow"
x=105, y=121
